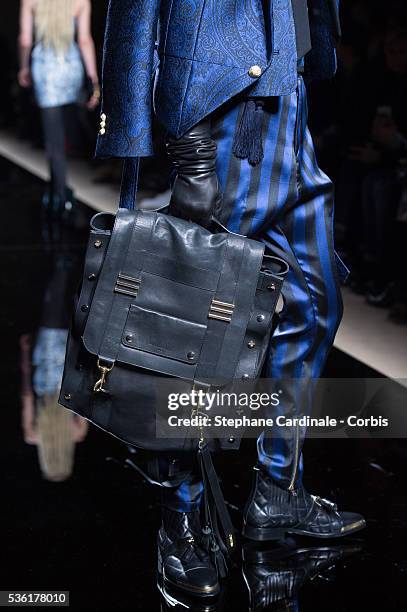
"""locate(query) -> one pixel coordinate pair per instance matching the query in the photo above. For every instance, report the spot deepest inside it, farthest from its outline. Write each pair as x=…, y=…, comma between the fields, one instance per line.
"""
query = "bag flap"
x=154, y=298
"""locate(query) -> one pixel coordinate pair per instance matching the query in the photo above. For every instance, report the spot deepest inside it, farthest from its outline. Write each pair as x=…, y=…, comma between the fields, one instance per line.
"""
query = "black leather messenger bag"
x=165, y=304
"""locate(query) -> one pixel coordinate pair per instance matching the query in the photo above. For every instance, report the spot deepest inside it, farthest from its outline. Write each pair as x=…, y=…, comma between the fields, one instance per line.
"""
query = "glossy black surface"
x=95, y=534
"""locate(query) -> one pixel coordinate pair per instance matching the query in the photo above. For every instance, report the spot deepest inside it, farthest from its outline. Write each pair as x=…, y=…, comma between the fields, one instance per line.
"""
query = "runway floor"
x=94, y=534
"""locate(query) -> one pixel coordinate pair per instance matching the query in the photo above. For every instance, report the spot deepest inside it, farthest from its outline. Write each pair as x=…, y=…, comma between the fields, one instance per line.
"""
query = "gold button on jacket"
x=102, y=124
x=255, y=72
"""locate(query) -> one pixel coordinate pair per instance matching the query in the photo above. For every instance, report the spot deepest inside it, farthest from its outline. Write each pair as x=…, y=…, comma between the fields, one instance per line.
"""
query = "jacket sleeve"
x=127, y=79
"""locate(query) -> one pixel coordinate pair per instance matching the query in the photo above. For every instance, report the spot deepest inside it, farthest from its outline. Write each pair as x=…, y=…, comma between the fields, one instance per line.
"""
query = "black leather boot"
x=275, y=577
x=183, y=564
x=271, y=512
x=195, y=192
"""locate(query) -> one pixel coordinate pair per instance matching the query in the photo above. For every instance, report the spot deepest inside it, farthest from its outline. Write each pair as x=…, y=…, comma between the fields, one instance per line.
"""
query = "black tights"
x=54, y=139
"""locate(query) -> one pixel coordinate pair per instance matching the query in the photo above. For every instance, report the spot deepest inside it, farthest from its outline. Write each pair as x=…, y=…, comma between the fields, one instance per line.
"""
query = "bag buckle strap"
x=104, y=371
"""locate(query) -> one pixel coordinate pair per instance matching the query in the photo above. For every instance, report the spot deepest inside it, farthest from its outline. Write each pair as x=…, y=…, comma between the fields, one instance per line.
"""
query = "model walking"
x=56, y=51
x=230, y=92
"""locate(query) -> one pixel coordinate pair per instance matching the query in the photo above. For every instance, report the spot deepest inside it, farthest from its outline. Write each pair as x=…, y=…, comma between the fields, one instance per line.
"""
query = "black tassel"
x=243, y=136
x=209, y=542
x=214, y=506
x=248, y=142
x=218, y=560
x=257, y=153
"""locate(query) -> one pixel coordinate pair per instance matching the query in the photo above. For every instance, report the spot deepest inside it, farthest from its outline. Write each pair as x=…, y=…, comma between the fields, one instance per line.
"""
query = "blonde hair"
x=56, y=447
x=54, y=23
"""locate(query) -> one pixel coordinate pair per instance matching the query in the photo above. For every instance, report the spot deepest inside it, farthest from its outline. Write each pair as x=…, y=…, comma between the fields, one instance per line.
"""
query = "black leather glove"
x=195, y=192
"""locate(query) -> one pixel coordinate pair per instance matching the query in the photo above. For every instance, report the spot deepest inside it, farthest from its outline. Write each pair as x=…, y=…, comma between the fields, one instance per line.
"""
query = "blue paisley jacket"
x=182, y=59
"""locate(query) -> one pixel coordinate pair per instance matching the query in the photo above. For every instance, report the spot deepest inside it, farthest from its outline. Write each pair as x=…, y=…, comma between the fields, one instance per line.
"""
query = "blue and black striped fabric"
x=287, y=202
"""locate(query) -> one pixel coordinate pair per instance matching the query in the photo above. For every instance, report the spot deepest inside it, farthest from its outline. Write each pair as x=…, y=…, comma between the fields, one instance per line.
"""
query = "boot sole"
x=274, y=533
x=260, y=534
x=179, y=600
x=192, y=592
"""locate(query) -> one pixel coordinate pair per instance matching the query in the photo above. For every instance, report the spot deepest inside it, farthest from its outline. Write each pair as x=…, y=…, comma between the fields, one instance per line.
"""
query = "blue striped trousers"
x=287, y=202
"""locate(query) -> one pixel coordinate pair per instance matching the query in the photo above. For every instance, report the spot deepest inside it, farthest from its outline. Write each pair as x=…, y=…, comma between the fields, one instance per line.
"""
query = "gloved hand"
x=196, y=193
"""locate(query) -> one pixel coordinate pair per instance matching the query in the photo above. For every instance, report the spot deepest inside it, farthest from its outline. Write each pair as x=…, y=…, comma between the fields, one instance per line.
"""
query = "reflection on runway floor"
x=93, y=532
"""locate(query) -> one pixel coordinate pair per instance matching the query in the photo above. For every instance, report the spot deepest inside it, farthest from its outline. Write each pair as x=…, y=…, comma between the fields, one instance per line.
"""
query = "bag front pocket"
x=164, y=335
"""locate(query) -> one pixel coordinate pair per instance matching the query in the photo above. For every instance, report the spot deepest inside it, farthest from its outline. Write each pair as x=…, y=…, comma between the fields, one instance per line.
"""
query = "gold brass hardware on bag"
x=127, y=285
x=222, y=311
x=104, y=371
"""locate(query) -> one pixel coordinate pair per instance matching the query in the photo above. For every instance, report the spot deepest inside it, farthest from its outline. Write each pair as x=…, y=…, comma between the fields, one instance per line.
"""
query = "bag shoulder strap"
x=129, y=184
